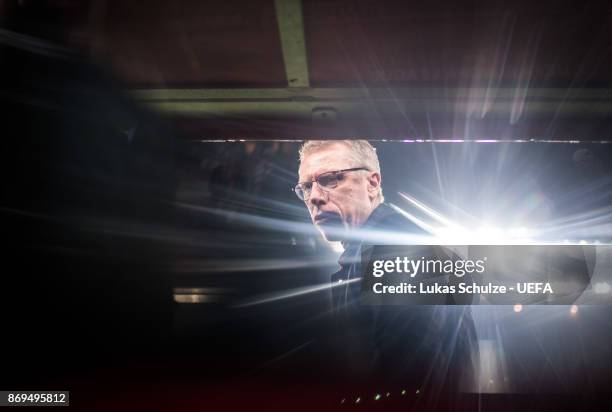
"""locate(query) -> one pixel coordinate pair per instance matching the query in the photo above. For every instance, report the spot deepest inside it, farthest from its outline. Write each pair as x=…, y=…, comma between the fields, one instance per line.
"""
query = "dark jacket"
x=416, y=347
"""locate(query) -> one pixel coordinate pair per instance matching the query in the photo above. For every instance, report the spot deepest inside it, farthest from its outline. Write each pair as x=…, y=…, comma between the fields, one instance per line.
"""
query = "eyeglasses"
x=326, y=181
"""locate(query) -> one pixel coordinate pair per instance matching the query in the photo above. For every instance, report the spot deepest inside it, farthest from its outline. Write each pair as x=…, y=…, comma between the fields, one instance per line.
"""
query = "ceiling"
x=290, y=69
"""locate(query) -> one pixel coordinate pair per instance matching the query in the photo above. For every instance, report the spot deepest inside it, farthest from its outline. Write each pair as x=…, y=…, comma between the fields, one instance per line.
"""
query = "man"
x=415, y=346
x=349, y=169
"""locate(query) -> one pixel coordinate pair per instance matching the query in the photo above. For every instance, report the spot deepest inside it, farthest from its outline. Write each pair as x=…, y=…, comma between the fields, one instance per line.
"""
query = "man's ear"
x=374, y=180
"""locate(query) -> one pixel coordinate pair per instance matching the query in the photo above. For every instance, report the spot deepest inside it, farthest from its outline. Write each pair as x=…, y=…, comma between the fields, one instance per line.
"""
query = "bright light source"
x=452, y=235
x=490, y=235
x=198, y=295
x=489, y=232
x=337, y=247
x=183, y=298
x=518, y=232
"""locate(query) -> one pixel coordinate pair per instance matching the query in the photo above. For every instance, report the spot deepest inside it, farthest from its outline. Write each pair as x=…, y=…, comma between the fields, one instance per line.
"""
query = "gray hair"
x=360, y=151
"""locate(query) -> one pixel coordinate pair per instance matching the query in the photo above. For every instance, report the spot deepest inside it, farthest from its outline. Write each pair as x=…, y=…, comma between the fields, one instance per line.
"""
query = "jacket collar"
x=352, y=249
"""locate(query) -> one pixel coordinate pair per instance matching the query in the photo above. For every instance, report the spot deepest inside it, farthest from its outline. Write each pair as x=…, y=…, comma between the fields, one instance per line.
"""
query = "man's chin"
x=332, y=237
x=332, y=233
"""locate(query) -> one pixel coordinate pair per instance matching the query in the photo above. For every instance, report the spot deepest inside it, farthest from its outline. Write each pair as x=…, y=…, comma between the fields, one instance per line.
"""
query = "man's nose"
x=318, y=196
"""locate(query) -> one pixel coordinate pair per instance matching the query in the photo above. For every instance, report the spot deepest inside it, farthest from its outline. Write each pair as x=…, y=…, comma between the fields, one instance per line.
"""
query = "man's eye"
x=328, y=180
x=306, y=186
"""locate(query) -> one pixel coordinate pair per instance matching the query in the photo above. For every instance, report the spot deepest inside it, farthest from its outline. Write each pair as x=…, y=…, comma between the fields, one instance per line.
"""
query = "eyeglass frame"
x=324, y=188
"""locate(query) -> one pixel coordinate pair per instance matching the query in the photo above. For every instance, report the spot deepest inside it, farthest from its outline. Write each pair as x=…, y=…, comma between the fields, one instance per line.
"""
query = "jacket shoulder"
x=387, y=218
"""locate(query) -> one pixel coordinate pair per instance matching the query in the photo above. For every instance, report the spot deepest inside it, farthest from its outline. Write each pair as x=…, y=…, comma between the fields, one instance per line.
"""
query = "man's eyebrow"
x=310, y=177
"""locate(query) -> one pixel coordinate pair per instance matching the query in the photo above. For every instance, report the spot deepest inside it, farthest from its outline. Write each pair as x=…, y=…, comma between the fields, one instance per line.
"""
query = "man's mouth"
x=330, y=225
x=324, y=218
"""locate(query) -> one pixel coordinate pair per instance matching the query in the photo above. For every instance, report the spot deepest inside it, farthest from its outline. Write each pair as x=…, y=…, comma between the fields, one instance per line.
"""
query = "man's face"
x=350, y=203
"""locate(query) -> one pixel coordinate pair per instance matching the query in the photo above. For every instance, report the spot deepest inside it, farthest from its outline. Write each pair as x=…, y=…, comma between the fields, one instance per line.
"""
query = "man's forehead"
x=335, y=156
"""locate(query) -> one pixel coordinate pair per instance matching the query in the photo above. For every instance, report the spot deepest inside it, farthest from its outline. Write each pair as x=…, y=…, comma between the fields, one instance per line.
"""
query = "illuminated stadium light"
x=484, y=235
x=451, y=235
x=447, y=224
x=574, y=310
x=447, y=230
x=377, y=397
x=518, y=308
x=489, y=232
x=518, y=232
x=191, y=298
x=197, y=295
x=337, y=247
